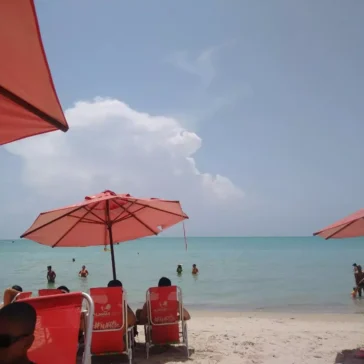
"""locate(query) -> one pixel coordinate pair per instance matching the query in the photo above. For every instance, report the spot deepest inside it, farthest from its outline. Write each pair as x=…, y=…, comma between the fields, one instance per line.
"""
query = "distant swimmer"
x=73, y=260
x=51, y=275
x=194, y=269
x=83, y=272
x=179, y=269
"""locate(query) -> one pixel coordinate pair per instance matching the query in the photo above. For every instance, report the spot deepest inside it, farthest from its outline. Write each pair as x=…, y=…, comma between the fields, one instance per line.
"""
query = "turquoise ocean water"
x=269, y=274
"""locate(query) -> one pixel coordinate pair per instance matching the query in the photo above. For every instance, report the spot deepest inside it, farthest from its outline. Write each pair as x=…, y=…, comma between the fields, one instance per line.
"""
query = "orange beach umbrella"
x=105, y=218
x=351, y=226
x=28, y=101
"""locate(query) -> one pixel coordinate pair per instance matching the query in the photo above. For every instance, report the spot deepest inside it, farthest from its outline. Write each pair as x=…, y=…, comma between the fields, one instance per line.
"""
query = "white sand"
x=257, y=338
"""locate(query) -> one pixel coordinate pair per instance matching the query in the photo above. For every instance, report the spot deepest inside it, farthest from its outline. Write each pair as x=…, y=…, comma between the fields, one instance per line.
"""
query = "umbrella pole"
x=109, y=228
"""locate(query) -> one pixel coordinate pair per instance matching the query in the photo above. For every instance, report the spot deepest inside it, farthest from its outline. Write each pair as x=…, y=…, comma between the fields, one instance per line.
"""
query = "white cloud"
x=111, y=146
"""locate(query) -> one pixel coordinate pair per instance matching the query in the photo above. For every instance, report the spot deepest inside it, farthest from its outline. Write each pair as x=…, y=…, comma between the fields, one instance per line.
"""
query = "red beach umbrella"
x=351, y=226
x=106, y=218
x=28, y=101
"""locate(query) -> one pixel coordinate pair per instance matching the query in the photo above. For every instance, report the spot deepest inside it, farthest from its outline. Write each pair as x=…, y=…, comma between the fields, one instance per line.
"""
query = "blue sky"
x=267, y=96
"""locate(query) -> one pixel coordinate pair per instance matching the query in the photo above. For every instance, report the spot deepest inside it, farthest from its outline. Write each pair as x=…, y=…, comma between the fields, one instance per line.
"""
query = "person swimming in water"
x=179, y=269
x=194, y=269
x=51, y=275
x=83, y=272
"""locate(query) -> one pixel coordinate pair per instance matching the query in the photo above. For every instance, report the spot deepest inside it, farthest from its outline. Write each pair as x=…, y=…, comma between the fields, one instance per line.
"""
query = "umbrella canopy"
x=106, y=218
x=28, y=101
x=351, y=226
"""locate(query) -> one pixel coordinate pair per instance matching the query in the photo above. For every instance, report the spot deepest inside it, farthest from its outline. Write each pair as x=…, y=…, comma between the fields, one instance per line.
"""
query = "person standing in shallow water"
x=356, y=271
x=179, y=269
x=194, y=269
x=51, y=275
x=83, y=272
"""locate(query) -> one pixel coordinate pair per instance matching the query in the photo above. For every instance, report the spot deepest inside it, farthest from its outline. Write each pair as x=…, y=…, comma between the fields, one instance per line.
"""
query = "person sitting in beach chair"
x=131, y=314
x=142, y=314
x=49, y=292
x=64, y=289
x=113, y=327
x=17, y=326
x=14, y=293
x=164, y=316
x=52, y=291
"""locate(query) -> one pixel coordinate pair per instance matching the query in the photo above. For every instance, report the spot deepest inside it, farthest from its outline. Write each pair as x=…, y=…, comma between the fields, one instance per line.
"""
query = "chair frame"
x=89, y=323
x=148, y=327
x=129, y=333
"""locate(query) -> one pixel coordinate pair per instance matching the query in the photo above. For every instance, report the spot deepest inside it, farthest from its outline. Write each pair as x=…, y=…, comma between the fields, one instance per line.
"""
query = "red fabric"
x=349, y=227
x=25, y=73
x=58, y=324
x=109, y=320
x=23, y=295
x=49, y=292
x=164, y=308
x=84, y=224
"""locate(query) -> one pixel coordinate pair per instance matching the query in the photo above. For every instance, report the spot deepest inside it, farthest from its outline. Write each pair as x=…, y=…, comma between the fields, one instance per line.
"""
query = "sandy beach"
x=268, y=338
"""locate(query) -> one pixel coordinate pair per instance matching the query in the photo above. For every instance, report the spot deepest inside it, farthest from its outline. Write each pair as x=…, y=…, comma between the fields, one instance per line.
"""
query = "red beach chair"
x=111, y=334
x=22, y=296
x=49, y=292
x=166, y=324
x=58, y=324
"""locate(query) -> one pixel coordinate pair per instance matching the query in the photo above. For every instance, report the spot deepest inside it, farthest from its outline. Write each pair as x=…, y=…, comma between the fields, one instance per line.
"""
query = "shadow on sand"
x=348, y=357
x=157, y=355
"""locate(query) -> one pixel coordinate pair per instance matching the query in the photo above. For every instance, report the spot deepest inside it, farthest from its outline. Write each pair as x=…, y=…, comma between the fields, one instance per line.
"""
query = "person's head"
x=354, y=265
x=115, y=283
x=179, y=266
x=17, y=288
x=193, y=265
x=17, y=325
x=49, y=268
x=64, y=289
x=83, y=267
x=164, y=282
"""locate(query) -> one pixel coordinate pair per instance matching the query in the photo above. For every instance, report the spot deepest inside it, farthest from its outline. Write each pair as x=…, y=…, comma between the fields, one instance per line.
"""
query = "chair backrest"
x=164, y=313
x=57, y=329
x=22, y=296
x=110, y=320
x=49, y=292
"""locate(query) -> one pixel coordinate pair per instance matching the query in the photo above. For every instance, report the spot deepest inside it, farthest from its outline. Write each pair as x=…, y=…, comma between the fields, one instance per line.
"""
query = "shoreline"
x=302, y=316
x=352, y=308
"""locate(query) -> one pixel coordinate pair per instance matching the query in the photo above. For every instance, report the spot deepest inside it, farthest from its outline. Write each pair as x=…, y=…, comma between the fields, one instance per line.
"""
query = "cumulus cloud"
x=112, y=146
